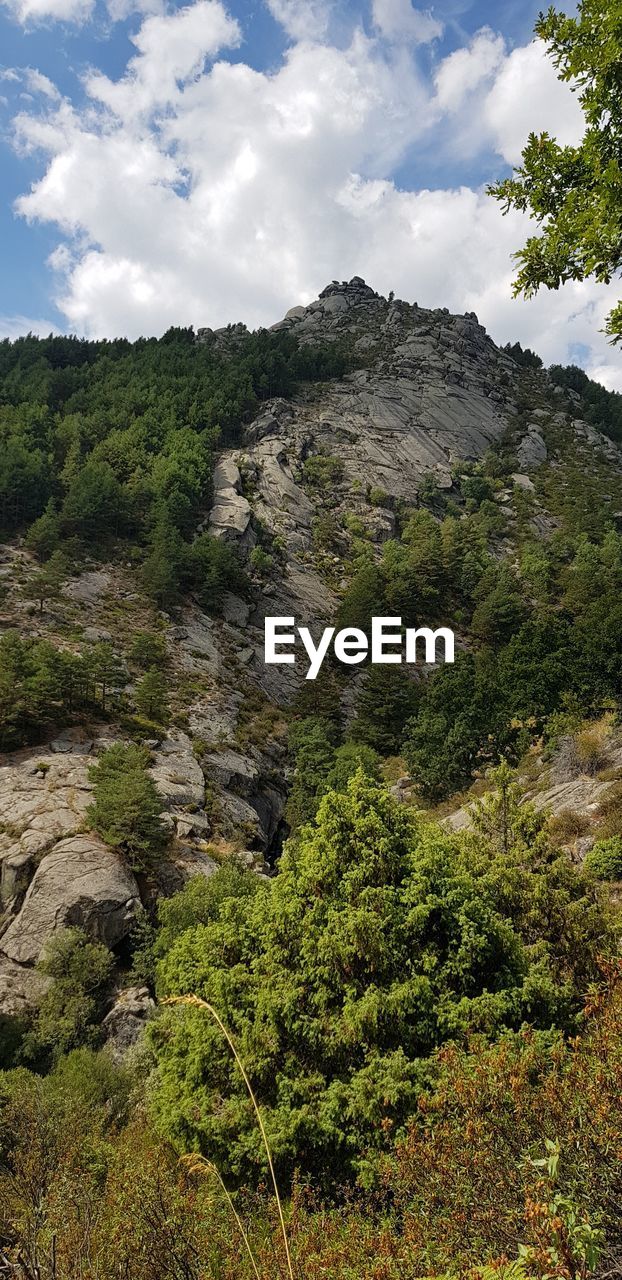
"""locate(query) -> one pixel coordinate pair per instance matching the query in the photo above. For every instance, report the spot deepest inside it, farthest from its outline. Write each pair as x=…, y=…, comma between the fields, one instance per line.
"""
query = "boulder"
x=532, y=450
x=523, y=482
x=231, y=513
x=21, y=990
x=89, y=587
x=178, y=774
x=126, y=1021
x=82, y=883
x=44, y=798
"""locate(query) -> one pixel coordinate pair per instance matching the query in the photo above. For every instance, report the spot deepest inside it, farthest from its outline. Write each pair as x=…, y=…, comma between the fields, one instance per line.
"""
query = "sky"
x=210, y=162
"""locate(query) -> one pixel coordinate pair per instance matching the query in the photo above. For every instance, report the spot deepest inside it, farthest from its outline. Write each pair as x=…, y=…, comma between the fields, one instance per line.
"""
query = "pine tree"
x=126, y=809
x=150, y=696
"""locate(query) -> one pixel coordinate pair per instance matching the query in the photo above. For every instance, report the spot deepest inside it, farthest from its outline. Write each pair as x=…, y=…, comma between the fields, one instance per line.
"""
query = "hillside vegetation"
x=423, y=986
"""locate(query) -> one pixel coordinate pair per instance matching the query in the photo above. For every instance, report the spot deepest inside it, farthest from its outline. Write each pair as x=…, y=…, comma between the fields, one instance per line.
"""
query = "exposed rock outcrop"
x=21, y=990
x=81, y=882
x=124, y=1024
x=177, y=773
x=231, y=512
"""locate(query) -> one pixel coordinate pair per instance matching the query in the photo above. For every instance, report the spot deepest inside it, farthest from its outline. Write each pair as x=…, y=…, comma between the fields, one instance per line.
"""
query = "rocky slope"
x=427, y=393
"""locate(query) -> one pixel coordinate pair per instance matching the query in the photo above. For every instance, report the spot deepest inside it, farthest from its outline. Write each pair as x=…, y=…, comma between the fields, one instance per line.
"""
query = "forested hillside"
x=357, y=936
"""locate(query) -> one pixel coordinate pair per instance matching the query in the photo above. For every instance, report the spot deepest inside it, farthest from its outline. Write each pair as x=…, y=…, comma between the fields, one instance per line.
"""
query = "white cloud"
x=193, y=194
x=399, y=20
x=172, y=50
x=302, y=19
x=38, y=83
x=464, y=71
x=18, y=326
x=121, y=9
x=527, y=97
x=33, y=12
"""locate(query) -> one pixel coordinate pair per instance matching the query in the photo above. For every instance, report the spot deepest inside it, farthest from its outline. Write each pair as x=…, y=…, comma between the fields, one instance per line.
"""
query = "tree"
x=312, y=742
x=574, y=193
x=381, y=938
x=92, y=507
x=47, y=583
x=163, y=568
x=106, y=671
x=386, y=701
x=149, y=650
x=214, y=568
x=500, y=607
x=126, y=809
x=67, y=1016
x=363, y=599
x=43, y=536
x=150, y=696
x=501, y=816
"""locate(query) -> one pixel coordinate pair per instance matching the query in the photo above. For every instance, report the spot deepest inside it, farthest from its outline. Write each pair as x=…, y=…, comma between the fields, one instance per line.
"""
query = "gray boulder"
x=532, y=450
x=83, y=883
x=125, y=1023
x=178, y=774
x=21, y=990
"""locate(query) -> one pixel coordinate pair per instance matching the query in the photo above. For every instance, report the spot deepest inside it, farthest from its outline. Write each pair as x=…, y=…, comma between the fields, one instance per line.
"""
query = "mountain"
x=434, y=464
x=390, y=893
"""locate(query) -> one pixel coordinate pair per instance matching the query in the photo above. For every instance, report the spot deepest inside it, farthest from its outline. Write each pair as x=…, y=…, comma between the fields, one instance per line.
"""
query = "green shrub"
x=126, y=805
x=261, y=561
x=149, y=650
x=381, y=938
x=378, y=497
x=67, y=1016
x=322, y=470
x=604, y=860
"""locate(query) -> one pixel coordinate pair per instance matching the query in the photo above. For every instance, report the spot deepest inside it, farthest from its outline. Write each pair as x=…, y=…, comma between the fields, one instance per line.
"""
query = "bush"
x=261, y=562
x=582, y=752
x=68, y=1013
x=610, y=811
x=604, y=860
x=149, y=650
x=126, y=809
x=377, y=497
x=463, y=1183
x=380, y=939
x=322, y=471
x=567, y=825
x=12, y=1032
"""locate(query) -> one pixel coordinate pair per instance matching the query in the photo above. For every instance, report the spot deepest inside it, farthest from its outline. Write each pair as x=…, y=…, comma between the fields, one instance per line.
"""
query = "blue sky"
x=212, y=162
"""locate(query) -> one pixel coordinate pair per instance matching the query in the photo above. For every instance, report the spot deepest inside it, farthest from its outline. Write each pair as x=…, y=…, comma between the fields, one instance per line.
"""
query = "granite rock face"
x=124, y=1024
x=177, y=773
x=427, y=391
x=82, y=883
x=21, y=989
x=431, y=392
x=231, y=513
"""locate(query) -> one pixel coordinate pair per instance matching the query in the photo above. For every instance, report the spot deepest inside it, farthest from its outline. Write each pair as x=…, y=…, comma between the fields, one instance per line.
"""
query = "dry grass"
x=567, y=825
x=197, y=1003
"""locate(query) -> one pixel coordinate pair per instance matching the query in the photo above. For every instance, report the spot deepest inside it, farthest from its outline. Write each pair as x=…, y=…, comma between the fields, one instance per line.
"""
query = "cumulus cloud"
x=172, y=50
x=528, y=97
x=464, y=71
x=198, y=190
x=302, y=19
x=32, y=12
x=400, y=20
